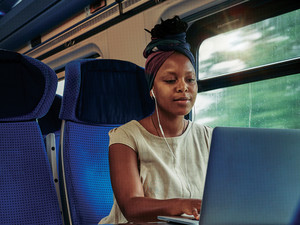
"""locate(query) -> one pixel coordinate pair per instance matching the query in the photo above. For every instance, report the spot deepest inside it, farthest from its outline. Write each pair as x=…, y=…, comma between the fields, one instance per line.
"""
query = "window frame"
x=239, y=14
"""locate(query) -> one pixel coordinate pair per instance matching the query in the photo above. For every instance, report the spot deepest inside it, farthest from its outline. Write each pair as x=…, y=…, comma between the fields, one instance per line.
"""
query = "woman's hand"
x=191, y=207
x=129, y=193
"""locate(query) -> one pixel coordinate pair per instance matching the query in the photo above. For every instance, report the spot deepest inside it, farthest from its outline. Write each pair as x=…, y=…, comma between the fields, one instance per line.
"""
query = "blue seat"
x=27, y=192
x=99, y=95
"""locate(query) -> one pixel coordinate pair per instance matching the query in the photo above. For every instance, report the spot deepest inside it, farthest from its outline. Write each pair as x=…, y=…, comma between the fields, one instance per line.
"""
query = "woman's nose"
x=182, y=86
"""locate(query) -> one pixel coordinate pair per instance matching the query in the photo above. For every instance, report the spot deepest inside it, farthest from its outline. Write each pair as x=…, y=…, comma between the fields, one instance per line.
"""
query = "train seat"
x=90, y=108
x=27, y=90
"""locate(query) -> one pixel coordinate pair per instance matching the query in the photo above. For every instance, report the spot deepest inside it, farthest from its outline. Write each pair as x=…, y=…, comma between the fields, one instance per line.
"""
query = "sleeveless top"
x=165, y=174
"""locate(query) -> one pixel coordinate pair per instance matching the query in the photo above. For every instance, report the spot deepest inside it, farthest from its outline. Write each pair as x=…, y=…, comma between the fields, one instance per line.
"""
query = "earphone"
x=153, y=95
x=169, y=147
x=161, y=130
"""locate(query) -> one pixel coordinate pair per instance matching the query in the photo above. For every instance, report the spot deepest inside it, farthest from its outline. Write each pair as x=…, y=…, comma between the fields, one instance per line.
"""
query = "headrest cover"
x=167, y=38
x=50, y=123
x=27, y=87
x=103, y=91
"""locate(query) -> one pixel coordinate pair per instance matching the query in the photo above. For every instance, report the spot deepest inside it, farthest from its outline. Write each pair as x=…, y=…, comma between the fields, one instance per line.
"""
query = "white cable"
x=170, y=149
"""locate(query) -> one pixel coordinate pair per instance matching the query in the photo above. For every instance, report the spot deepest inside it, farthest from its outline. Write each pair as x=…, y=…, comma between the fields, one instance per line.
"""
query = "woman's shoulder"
x=201, y=129
x=129, y=127
x=126, y=134
x=202, y=135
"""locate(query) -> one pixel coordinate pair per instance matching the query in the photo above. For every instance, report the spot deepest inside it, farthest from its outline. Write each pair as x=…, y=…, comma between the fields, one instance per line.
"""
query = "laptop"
x=253, y=177
x=183, y=219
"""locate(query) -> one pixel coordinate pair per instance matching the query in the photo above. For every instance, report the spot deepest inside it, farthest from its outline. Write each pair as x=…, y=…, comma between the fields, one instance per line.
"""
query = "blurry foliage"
x=271, y=103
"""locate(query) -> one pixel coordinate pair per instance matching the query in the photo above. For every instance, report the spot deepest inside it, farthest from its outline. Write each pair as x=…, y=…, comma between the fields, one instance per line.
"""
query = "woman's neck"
x=172, y=126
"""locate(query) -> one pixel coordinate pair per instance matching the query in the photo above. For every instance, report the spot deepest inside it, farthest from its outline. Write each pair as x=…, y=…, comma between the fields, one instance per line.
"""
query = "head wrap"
x=159, y=49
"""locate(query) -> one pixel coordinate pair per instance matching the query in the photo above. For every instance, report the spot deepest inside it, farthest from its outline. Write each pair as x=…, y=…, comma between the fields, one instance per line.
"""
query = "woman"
x=158, y=164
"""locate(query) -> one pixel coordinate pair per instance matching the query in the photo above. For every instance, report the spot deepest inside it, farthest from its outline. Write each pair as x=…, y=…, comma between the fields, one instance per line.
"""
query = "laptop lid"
x=253, y=176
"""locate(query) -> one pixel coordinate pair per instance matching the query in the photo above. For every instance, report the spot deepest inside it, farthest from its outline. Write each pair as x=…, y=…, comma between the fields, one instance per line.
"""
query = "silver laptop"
x=253, y=177
x=184, y=219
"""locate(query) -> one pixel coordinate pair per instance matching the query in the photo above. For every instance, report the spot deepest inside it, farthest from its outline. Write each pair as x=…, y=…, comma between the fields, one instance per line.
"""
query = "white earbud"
x=152, y=93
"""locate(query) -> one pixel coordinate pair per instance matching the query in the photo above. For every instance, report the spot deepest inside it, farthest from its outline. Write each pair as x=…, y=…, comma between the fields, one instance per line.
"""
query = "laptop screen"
x=253, y=176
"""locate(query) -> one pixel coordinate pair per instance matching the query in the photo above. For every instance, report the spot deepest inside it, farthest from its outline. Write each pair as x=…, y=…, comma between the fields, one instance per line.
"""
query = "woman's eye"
x=191, y=80
x=170, y=81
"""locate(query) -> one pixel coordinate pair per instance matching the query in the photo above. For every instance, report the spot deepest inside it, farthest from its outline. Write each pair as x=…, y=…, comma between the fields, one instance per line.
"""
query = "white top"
x=165, y=175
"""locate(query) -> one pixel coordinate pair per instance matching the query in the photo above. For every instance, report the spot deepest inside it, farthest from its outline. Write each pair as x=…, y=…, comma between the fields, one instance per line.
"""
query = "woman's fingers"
x=196, y=214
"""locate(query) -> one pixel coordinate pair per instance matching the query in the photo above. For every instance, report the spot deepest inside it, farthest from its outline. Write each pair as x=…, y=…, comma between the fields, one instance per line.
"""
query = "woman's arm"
x=129, y=192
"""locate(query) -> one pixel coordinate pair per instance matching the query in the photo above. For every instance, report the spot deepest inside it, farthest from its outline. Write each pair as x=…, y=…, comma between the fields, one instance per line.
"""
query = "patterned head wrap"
x=159, y=49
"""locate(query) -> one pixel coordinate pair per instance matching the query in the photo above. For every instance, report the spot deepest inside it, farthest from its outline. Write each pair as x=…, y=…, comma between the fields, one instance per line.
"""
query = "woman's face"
x=175, y=86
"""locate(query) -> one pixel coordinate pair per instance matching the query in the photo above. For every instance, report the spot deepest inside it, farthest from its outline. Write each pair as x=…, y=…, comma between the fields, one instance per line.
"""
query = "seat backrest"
x=27, y=89
x=99, y=95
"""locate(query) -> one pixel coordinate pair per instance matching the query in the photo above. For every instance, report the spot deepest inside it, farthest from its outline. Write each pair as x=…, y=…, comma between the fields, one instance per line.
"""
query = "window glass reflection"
x=273, y=103
x=265, y=42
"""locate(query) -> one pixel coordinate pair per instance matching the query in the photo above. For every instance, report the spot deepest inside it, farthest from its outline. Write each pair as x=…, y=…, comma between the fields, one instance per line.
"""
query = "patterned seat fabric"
x=99, y=95
x=27, y=193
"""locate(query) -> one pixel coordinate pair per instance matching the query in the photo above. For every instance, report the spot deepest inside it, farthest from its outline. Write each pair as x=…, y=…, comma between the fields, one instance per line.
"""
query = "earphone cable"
x=170, y=149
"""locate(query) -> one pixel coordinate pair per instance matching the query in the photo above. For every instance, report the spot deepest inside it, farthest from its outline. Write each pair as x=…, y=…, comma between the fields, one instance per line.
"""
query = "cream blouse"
x=164, y=174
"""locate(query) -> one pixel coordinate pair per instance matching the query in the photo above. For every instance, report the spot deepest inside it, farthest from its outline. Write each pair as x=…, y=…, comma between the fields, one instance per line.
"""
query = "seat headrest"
x=27, y=87
x=104, y=91
x=50, y=123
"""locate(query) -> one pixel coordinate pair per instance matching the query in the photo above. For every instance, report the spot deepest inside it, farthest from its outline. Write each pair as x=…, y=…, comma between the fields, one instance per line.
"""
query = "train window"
x=272, y=103
x=60, y=87
x=268, y=41
x=249, y=74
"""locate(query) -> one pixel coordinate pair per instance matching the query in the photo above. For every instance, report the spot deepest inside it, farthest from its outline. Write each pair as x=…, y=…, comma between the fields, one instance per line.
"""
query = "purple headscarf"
x=158, y=50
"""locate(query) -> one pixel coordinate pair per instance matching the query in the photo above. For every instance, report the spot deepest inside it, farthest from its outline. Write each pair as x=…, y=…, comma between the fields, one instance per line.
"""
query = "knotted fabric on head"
x=159, y=49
